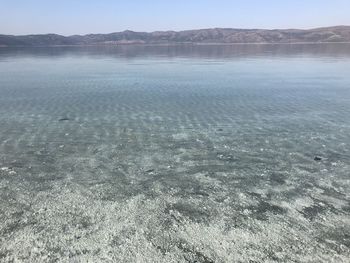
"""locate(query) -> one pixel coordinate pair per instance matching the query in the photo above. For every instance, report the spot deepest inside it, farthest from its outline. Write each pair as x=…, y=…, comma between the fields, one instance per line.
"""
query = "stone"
x=317, y=159
x=64, y=119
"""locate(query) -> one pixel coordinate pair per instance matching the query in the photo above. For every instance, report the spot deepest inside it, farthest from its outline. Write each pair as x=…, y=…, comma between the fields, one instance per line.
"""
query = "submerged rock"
x=318, y=158
x=64, y=119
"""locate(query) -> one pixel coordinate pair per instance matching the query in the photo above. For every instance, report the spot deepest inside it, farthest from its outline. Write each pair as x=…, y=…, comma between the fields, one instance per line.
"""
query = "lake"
x=175, y=153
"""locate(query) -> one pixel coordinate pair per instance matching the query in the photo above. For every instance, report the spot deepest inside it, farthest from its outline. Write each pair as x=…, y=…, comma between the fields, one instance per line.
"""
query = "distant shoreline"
x=178, y=44
x=214, y=36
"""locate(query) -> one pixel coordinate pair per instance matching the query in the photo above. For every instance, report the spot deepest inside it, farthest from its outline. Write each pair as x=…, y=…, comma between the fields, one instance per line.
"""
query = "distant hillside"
x=202, y=36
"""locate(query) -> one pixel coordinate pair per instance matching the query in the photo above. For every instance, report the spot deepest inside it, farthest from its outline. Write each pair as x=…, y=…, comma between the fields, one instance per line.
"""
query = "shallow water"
x=175, y=154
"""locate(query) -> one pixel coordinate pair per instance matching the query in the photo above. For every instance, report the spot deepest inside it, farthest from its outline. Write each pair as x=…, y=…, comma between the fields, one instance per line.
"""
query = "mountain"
x=201, y=36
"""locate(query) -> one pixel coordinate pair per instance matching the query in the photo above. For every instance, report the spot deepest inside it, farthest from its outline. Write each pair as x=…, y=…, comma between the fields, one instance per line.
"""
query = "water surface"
x=175, y=154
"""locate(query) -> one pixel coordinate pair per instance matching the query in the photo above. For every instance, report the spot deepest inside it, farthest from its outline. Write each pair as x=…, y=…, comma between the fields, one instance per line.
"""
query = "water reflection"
x=190, y=51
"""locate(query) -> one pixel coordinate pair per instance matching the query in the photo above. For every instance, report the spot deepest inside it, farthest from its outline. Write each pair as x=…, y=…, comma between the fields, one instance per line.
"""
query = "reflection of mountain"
x=184, y=51
x=217, y=35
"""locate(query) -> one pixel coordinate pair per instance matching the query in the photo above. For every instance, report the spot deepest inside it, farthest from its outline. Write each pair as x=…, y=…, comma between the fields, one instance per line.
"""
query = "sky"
x=68, y=17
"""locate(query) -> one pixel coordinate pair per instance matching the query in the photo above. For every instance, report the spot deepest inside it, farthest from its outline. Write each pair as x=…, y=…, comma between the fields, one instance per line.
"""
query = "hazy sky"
x=69, y=17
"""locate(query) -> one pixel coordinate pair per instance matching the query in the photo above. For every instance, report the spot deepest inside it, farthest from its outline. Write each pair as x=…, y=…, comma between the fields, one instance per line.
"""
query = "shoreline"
x=173, y=44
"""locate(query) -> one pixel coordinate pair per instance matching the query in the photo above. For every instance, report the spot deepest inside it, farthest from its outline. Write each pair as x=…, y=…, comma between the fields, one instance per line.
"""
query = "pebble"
x=8, y=170
x=317, y=158
x=246, y=212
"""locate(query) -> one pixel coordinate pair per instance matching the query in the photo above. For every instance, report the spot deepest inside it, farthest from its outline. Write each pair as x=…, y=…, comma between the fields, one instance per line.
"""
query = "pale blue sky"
x=69, y=17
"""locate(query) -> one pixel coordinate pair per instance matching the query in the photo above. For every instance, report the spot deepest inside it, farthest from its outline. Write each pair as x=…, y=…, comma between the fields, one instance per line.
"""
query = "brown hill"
x=202, y=36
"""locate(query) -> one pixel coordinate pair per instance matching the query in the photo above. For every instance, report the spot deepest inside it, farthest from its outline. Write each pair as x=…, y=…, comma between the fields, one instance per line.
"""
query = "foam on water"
x=175, y=154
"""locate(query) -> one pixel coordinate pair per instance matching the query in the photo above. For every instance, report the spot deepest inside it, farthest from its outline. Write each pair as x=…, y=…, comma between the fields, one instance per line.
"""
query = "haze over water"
x=175, y=153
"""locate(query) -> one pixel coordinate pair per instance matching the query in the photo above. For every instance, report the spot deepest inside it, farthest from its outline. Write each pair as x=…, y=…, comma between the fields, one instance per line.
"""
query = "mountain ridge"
x=334, y=34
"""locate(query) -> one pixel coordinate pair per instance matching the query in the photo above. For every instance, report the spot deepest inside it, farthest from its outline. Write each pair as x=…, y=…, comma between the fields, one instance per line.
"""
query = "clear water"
x=175, y=154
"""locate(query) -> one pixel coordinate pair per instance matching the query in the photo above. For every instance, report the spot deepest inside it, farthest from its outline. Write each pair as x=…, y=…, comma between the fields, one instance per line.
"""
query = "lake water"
x=175, y=154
